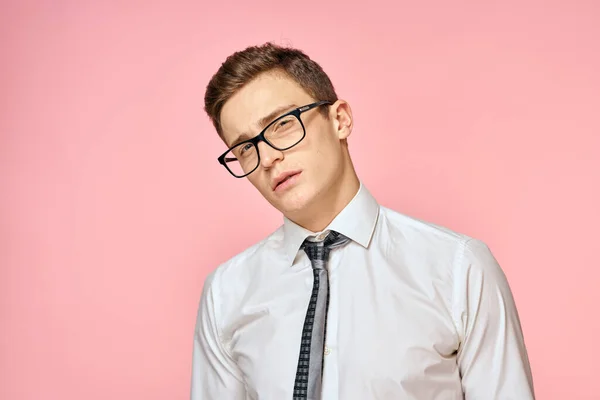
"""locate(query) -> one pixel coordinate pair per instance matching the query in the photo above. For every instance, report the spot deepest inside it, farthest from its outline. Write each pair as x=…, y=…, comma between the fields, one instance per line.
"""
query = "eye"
x=284, y=124
x=246, y=147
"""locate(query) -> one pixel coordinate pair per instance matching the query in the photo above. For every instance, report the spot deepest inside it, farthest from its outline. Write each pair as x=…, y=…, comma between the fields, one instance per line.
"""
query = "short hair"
x=243, y=66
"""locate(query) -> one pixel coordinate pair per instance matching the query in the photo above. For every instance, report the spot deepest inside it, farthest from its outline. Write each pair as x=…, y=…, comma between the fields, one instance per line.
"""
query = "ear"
x=341, y=114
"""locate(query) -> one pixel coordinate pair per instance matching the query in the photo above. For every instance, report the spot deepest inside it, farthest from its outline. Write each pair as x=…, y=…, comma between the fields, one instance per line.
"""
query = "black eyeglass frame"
x=261, y=136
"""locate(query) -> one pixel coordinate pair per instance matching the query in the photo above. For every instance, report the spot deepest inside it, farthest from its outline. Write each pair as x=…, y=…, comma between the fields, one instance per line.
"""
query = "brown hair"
x=243, y=66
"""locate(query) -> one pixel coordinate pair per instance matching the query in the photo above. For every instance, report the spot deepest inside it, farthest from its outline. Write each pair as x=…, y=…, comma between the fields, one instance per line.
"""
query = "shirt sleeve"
x=492, y=357
x=214, y=374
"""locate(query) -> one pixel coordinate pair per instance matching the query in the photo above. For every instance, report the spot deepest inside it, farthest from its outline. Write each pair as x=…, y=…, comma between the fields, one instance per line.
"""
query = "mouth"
x=286, y=180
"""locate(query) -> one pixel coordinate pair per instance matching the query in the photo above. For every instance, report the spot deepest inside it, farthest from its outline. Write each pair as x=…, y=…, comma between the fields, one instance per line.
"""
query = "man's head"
x=255, y=86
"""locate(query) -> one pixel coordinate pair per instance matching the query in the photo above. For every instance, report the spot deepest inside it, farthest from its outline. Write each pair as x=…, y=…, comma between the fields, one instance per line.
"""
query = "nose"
x=268, y=155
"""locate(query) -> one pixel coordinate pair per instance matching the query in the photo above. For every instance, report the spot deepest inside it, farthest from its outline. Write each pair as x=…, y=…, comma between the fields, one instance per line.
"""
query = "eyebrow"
x=264, y=121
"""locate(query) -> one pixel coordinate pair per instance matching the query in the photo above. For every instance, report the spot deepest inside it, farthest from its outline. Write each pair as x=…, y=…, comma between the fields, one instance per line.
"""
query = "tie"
x=310, y=363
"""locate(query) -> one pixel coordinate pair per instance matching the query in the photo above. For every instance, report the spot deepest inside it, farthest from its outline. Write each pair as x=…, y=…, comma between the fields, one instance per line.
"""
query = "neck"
x=329, y=204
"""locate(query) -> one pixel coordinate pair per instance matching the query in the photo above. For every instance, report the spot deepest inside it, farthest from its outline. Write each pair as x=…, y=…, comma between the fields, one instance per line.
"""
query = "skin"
x=328, y=180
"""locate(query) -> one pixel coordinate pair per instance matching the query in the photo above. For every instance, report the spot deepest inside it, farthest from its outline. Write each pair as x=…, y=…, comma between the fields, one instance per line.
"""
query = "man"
x=347, y=299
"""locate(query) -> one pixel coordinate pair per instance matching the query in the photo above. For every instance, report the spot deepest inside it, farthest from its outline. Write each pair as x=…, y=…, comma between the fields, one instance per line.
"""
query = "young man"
x=347, y=299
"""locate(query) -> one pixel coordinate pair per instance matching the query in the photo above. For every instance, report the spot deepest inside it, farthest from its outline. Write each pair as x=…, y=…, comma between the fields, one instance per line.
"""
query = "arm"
x=214, y=374
x=492, y=357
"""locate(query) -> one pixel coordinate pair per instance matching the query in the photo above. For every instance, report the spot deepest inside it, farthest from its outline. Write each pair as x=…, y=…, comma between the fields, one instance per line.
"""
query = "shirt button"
x=327, y=351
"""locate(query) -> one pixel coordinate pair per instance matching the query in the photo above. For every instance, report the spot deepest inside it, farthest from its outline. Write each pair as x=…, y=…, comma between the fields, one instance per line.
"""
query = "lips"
x=283, y=177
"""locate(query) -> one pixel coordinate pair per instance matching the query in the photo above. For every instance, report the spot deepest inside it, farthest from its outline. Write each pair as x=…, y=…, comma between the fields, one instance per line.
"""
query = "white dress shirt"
x=416, y=312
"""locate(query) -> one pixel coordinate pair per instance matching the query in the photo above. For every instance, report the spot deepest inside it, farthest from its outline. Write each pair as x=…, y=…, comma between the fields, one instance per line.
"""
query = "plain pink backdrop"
x=483, y=117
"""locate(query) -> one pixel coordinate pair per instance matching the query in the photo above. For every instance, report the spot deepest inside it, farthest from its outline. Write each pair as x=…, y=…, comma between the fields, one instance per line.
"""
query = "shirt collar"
x=356, y=221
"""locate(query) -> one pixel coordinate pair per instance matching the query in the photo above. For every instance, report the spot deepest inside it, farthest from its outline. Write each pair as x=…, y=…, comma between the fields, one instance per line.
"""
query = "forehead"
x=258, y=98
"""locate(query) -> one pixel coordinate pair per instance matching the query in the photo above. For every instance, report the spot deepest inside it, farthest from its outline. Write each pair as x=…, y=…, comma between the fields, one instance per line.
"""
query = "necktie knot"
x=318, y=252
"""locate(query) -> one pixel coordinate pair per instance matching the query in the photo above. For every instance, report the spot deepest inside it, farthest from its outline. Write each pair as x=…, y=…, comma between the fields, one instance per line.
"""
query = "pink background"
x=480, y=117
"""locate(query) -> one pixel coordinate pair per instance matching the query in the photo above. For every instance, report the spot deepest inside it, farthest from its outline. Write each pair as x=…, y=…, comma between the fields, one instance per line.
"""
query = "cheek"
x=325, y=151
x=257, y=180
x=263, y=184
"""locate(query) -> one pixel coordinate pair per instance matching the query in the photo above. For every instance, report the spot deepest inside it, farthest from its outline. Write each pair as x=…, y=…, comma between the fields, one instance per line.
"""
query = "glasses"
x=282, y=134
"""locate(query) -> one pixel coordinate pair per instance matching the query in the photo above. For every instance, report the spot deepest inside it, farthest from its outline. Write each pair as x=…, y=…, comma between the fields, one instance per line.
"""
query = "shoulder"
x=434, y=246
x=231, y=282
x=449, y=250
x=246, y=260
x=401, y=226
x=236, y=274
